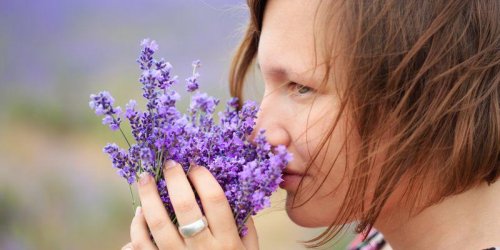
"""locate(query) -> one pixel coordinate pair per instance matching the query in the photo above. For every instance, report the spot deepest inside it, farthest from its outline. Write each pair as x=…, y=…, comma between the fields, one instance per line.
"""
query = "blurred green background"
x=57, y=188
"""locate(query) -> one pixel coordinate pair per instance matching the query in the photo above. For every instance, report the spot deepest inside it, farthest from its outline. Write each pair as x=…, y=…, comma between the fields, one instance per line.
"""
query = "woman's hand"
x=221, y=233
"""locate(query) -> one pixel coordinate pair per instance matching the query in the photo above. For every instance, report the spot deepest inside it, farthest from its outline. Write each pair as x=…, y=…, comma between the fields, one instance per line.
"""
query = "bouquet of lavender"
x=248, y=172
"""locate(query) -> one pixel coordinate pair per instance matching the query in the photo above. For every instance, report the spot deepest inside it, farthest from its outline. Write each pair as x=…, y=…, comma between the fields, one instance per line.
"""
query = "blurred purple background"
x=54, y=51
x=57, y=188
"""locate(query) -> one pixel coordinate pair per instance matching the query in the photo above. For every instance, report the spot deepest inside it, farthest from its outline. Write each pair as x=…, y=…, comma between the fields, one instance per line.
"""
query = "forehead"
x=287, y=43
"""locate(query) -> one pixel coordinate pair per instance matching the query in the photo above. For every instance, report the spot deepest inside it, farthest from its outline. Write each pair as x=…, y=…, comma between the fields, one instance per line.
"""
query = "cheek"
x=322, y=199
x=319, y=210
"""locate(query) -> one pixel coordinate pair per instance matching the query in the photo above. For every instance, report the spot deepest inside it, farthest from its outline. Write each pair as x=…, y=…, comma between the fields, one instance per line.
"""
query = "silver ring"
x=194, y=228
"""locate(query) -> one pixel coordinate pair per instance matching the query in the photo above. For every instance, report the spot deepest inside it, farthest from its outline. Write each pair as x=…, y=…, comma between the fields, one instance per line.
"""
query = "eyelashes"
x=293, y=89
x=299, y=89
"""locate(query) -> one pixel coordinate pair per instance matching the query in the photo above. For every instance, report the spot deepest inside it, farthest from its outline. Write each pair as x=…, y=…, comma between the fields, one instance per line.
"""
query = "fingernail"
x=138, y=211
x=170, y=164
x=144, y=178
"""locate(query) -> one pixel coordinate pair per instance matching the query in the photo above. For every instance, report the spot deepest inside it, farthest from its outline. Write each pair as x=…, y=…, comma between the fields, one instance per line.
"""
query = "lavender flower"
x=102, y=104
x=192, y=82
x=248, y=171
x=121, y=162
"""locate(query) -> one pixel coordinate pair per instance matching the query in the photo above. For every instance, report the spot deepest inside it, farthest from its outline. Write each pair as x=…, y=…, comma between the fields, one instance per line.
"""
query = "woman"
x=392, y=111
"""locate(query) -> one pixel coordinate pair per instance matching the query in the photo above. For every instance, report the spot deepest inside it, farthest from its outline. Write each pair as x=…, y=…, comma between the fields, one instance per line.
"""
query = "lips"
x=291, y=179
x=288, y=171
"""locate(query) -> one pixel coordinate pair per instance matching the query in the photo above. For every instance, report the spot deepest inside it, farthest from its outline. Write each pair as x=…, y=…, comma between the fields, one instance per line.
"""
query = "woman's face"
x=296, y=113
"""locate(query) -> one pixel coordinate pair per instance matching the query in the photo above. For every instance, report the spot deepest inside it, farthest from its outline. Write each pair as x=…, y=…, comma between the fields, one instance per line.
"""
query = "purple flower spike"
x=248, y=172
x=102, y=104
x=149, y=44
x=121, y=162
x=192, y=82
x=196, y=64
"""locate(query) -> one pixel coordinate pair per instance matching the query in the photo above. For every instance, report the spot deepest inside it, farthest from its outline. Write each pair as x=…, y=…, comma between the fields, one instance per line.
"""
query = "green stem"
x=140, y=169
x=133, y=199
x=244, y=221
x=130, y=186
x=159, y=161
x=174, y=220
x=159, y=164
x=112, y=116
x=125, y=137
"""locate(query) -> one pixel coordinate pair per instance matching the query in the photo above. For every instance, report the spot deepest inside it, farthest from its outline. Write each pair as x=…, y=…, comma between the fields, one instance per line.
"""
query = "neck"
x=470, y=220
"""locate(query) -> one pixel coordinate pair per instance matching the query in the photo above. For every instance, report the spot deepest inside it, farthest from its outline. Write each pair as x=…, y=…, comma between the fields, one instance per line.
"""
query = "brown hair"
x=428, y=72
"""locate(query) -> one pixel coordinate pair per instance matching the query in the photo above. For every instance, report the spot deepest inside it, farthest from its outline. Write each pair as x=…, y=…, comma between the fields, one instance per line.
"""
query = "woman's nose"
x=273, y=121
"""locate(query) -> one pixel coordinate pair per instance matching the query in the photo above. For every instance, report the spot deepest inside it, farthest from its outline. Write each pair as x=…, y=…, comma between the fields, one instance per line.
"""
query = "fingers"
x=251, y=241
x=139, y=233
x=217, y=210
x=183, y=201
x=154, y=216
x=164, y=231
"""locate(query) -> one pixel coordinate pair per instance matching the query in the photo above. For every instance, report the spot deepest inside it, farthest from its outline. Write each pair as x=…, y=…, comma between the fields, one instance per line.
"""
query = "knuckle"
x=185, y=206
x=207, y=244
x=216, y=198
x=157, y=224
x=230, y=246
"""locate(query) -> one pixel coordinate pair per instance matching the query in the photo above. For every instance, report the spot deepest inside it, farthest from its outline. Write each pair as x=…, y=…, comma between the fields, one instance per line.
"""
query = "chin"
x=304, y=217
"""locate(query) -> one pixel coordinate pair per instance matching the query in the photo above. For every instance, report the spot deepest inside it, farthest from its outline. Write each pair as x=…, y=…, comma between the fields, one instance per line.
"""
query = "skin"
x=466, y=221
x=297, y=112
x=152, y=216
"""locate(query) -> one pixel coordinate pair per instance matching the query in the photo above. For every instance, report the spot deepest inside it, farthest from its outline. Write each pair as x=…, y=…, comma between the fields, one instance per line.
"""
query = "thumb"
x=251, y=240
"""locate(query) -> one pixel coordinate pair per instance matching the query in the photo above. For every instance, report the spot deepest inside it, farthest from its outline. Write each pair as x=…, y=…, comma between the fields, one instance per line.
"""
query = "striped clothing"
x=376, y=241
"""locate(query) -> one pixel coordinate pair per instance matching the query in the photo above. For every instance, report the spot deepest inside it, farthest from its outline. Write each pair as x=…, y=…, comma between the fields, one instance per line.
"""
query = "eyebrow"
x=276, y=71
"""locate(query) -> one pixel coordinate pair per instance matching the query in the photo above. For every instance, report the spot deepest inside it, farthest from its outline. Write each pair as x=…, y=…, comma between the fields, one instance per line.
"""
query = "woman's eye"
x=299, y=88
